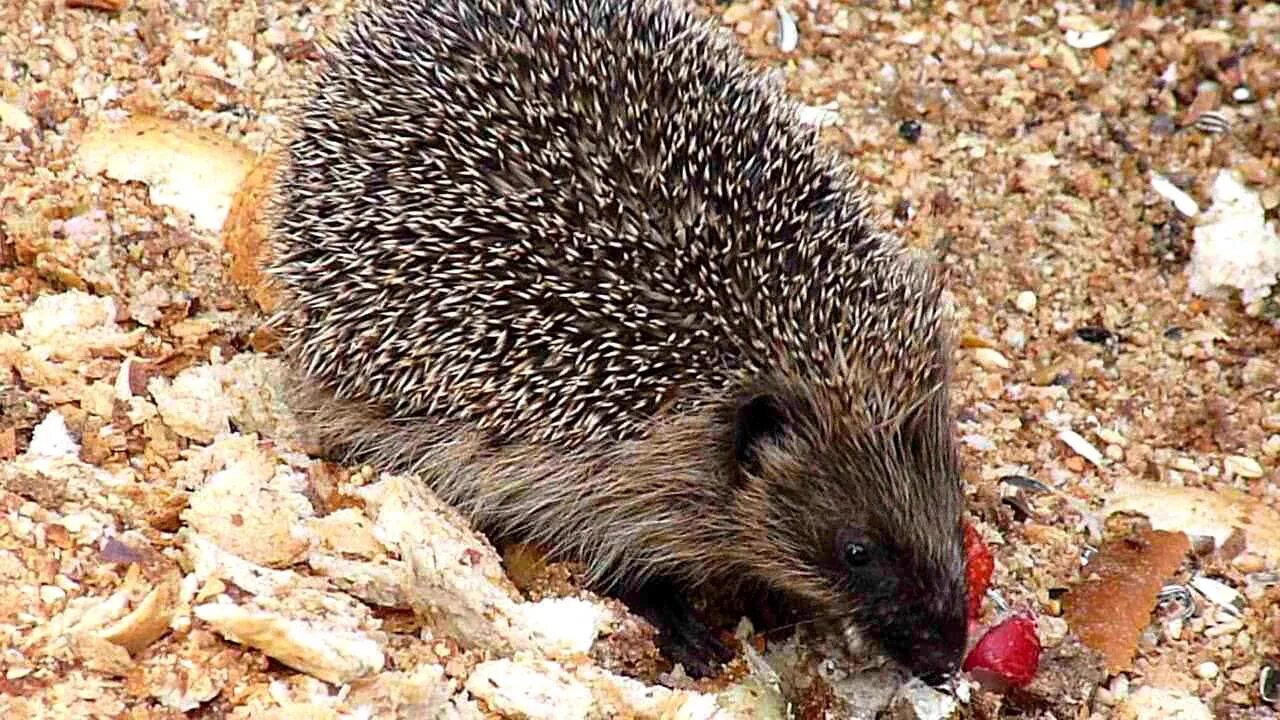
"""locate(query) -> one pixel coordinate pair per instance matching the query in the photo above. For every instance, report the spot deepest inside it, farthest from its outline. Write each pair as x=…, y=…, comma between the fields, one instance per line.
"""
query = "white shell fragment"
x=824, y=115
x=192, y=169
x=1089, y=39
x=73, y=325
x=913, y=37
x=927, y=702
x=12, y=116
x=1083, y=447
x=1167, y=190
x=788, y=32
x=1220, y=594
x=1083, y=33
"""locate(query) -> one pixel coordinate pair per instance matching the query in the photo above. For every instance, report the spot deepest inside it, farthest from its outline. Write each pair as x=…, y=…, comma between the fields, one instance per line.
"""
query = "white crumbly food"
x=528, y=687
x=1154, y=703
x=1235, y=248
x=193, y=404
x=51, y=439
x=406, y=549
x=71, y=326
x=259, y=566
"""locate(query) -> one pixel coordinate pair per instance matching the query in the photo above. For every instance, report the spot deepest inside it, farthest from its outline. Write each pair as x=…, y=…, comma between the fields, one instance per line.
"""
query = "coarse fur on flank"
x=578, y=265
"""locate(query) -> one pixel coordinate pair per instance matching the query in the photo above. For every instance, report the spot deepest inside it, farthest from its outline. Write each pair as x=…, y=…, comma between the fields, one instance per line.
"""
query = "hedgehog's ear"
x=759, y=418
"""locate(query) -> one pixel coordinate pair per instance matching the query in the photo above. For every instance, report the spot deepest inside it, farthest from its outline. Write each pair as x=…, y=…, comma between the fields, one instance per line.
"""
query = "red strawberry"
x=978, y=568
x=1008, y=655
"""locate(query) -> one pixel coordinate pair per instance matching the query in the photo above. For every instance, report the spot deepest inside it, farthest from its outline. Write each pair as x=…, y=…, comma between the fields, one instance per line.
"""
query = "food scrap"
x=978, y=568
x=1113, y=602
x=1007, y=656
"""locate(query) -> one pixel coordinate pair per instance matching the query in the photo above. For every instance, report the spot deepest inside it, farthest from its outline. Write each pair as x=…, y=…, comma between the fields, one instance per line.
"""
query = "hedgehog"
x=591, y=276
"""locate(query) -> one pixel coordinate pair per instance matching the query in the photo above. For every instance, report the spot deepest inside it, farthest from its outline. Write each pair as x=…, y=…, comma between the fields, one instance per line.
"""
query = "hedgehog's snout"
x=936, y=662
x=930, y=646
x=927, y=636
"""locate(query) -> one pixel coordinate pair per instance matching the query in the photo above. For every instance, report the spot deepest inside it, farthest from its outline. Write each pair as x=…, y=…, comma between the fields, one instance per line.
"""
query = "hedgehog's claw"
x=683, y=637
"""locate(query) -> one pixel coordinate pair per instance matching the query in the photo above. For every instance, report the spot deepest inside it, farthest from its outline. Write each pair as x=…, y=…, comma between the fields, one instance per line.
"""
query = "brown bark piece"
x=1112, y=604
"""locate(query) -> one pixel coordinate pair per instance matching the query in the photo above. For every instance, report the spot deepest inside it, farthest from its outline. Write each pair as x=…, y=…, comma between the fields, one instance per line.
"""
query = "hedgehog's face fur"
x=862, y=524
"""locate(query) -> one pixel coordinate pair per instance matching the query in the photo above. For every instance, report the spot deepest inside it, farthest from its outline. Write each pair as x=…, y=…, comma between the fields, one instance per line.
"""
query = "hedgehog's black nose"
x=936, y=667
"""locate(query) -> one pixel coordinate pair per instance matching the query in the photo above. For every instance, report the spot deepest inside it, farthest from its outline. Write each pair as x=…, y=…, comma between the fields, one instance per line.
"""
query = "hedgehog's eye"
x=854, y=549
x=856, y=554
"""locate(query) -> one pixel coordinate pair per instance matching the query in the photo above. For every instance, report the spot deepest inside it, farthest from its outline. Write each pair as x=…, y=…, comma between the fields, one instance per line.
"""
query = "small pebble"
x=240, y=53
x=1242, y=466
x=1248, y=562
x=1026, y=301
x=1163, y=125
x=1120, y=687
x=12, y=116
x=1243, y=675
x=1207, y=670
x=51, y=594
x=990, y=359
x=65, y=50
x=1219, y=593
x=1111, y=436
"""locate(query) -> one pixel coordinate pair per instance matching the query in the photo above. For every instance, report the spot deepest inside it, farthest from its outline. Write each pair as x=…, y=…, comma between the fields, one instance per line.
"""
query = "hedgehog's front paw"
x=682, y=635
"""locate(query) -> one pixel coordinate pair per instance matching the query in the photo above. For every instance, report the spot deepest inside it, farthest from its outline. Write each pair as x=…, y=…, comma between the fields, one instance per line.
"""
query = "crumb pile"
x=1102, y=183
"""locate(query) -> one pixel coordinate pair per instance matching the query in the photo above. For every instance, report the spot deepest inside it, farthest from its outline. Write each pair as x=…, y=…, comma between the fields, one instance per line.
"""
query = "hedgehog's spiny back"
x=543, y=217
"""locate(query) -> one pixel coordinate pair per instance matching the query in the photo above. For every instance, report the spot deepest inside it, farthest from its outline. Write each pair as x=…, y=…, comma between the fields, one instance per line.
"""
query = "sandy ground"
x=1021, y=143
